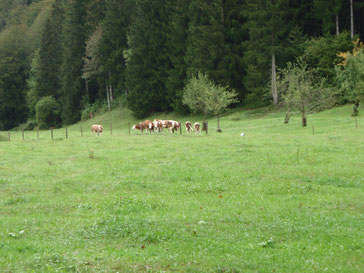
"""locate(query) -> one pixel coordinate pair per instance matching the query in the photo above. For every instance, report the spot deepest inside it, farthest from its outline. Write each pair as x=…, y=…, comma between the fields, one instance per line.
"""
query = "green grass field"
x=282, y=198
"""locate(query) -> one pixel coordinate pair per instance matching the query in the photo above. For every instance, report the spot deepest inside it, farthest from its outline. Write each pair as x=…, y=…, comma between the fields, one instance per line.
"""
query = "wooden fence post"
x=22, y=133
x=66, y=132
x=180, y=128
x=129, y=127
x=356, y=123
x=81, y=131
x=9, y=135
x=37, y=132
x=111, y=129
x=52, y=132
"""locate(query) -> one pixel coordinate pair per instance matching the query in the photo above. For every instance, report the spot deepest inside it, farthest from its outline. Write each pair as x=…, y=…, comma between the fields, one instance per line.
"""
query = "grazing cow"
x=157, y=125
x=96, y=129
x=173, y=125
x=150, y=125
x=140, y=126
x=197, y=128
x=189, y=128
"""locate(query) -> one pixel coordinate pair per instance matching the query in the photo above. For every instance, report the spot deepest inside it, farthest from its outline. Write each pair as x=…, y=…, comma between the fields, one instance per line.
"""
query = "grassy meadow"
x=282, y=198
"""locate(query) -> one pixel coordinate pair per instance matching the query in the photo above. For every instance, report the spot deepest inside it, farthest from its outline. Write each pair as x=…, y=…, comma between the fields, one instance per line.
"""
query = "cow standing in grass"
x=173, y=125
x=189, y=128
x=157, y=125
x=150, y=126
x=197, y=128
x=140, y=126
x=96, y=129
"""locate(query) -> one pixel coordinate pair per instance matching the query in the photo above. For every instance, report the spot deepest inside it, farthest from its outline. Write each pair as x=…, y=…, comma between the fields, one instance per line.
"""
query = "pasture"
x=282, y=198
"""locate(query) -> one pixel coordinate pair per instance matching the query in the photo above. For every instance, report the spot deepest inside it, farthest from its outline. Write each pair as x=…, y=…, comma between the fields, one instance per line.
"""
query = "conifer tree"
x=147, y=59
x=214, y=44
x=176, y=45
x=75, y=36
x=266, y=27
x=50, y=54
x=328, y=12
x=206, y=44
x=14, y=67
x=114, y=42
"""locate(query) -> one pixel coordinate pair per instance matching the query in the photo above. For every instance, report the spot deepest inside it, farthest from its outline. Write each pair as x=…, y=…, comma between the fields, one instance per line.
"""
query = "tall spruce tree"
x=113, y=43
x=176, y=45
x=206, y=43
x=266, y=27
x=50, y=54
x=328, y=12
x=214, y=44
x=14, y=67
x=147, y=59
x=74, y=36
x=235, y=35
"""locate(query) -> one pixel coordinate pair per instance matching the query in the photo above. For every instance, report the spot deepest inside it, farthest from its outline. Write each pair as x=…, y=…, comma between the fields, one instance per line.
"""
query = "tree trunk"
x=87, y=89
x=304, y=119
x=108, y=97
x=218, y=124
x=337, y=25
x=355, y=109
x=274, y=80
x=111, y=96
x=288, y=116
x=351, y=19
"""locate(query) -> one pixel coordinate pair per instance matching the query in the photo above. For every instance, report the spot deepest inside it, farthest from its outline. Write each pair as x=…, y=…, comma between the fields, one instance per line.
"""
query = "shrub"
x=48, y=113
x=29, y=125
x=96, y=107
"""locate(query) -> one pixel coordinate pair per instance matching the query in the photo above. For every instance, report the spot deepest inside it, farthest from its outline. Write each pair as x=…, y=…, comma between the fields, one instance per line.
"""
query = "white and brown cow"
x=173, y=125
x=96, y=129
x=197, y=128
x=189, y=128
x=140, y=126
x=157, y=125
x=150, y=125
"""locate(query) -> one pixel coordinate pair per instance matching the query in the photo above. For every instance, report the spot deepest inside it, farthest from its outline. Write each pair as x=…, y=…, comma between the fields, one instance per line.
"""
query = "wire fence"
x=65, y=132
x=320, y=125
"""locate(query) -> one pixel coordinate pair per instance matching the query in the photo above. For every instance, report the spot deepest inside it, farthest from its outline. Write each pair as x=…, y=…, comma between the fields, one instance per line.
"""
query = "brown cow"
x=140, y=126
x=150, y=125
x=197, y=128
x=157, y=125
x=189, y=128
x=174, y=125
x=96, y=129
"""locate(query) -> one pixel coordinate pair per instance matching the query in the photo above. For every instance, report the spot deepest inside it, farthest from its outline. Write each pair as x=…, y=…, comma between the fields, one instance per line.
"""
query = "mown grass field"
x=282, y=198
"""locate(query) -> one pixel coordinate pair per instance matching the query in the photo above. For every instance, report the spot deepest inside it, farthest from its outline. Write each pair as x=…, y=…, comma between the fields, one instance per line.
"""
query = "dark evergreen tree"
x=50, y=54
x=147, y=59
x=215, y=39
x=267, y=28
x=206, y=42
x=328, y=12
x=14, y=67
x=235, y=35
x=113, y=43
x=75, y=36
x=176, y=45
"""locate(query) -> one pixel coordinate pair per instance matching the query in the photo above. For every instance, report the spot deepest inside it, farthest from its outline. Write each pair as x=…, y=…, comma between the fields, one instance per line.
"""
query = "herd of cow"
x=156, y=125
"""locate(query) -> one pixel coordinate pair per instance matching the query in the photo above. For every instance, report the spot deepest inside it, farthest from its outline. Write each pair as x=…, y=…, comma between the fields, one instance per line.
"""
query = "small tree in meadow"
x=302, y=91
x=47, y=112
x=203, y=95
x=350, y=75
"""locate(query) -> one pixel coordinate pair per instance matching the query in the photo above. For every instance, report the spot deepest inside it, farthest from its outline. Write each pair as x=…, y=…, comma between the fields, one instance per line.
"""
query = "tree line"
x=69, y=58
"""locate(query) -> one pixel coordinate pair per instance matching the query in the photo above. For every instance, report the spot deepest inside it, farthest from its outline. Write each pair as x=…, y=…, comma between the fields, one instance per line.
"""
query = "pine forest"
x=70, y=58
